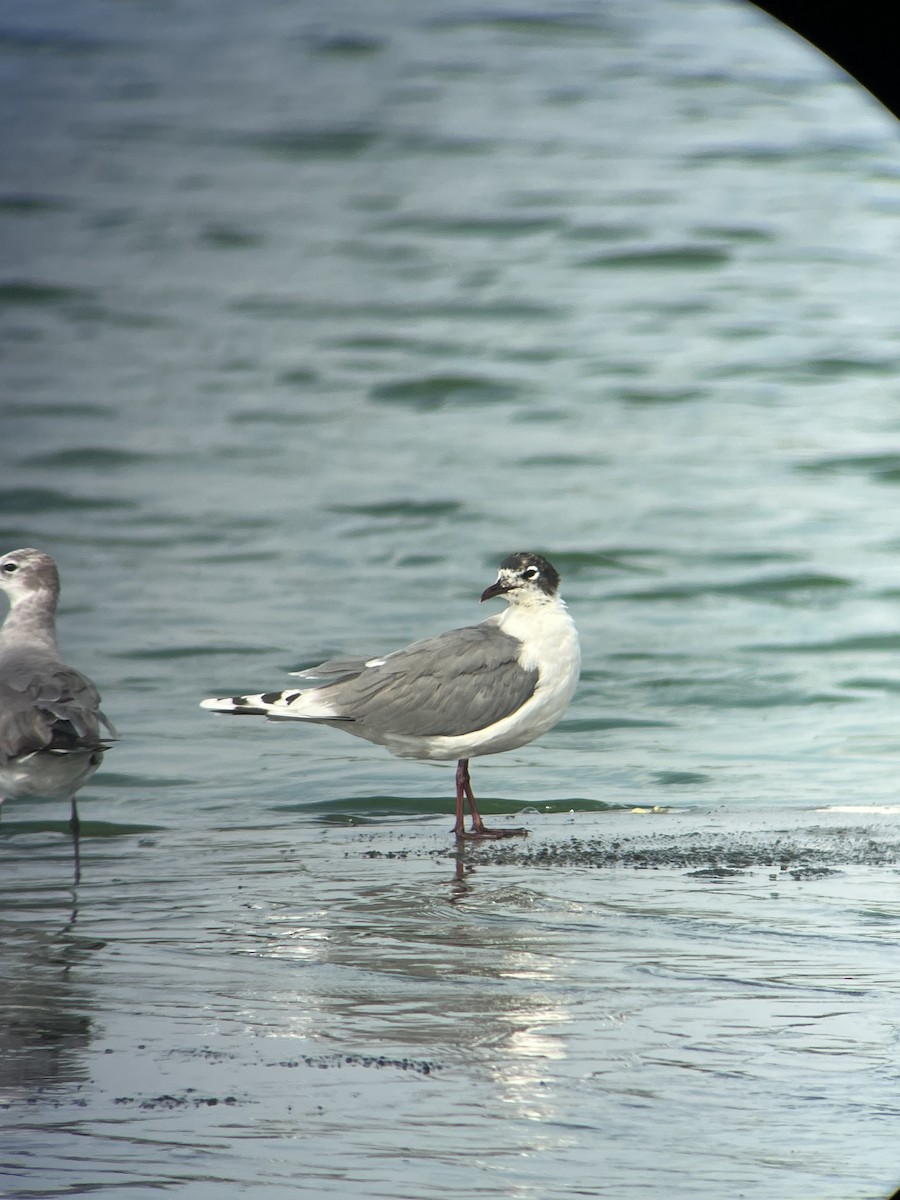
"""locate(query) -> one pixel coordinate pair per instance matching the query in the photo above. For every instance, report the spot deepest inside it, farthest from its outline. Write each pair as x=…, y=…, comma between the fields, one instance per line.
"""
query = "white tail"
x=291, y=705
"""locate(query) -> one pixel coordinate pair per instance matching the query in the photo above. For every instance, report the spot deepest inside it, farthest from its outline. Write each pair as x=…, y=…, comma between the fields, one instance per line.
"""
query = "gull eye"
x=530, y=573
x=9, y=568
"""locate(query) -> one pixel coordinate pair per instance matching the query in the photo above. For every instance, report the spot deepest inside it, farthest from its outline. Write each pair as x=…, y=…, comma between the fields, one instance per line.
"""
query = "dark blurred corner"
x=862, y=37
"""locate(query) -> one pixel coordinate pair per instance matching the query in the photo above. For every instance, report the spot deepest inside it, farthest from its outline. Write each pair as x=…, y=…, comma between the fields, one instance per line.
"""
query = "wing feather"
x=45, y=704
x=443, y=686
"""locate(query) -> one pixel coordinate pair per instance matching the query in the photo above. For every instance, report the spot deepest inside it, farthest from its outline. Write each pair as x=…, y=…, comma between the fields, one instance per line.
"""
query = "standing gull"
x=477, y=690
x=50, y=740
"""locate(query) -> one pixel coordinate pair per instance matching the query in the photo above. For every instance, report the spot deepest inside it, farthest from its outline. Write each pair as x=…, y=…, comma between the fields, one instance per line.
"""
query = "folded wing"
x=46, y=705
x=443, y=686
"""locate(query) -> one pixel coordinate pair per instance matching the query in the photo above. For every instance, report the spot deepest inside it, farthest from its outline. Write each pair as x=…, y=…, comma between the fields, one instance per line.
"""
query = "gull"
x=478, y=690
x=50, y=739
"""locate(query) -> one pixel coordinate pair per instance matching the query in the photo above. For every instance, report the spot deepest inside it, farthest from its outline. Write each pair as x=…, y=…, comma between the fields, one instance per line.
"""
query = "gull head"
x=25, y=573
x=524, y=577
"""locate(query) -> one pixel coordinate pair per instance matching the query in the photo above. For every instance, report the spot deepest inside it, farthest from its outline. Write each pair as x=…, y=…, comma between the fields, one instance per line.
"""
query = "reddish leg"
x=464, y=792
x=462, y=779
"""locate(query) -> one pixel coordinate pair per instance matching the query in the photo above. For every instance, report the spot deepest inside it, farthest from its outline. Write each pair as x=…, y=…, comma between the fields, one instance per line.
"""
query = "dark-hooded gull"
x=477, y=690
x=50, y=718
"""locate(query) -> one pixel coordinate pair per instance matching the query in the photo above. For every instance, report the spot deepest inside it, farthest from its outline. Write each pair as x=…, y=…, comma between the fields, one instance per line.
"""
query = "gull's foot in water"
x=485, y=832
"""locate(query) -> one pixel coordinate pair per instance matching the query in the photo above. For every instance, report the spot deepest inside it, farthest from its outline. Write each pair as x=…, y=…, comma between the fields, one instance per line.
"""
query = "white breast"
x=549, y=644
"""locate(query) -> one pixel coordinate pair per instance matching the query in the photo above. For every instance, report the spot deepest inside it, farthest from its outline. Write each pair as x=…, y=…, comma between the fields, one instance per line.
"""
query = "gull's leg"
x=462, y=777
x=478, y=829
x=74, y=823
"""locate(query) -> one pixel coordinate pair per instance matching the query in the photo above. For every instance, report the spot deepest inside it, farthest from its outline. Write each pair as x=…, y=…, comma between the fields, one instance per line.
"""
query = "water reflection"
x=16, y=828
x=46, y=1025
x=411, y=970
x=463, y=868
x=359, y=952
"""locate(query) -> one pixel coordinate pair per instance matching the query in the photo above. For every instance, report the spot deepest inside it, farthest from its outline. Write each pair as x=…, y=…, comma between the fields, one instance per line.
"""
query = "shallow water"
x=307, y=317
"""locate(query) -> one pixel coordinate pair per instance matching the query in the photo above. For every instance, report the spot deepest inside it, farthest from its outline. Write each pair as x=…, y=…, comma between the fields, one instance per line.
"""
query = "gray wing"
x=443, y=686
x=346, y=665
x=46, y=705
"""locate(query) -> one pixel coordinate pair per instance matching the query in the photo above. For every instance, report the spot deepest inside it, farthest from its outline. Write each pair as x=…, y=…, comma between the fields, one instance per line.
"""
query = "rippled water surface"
x=311, y=313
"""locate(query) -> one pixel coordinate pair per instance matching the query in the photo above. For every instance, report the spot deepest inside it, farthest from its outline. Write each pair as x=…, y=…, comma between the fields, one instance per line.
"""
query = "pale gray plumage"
x=478, y=690
x=443, y=686
x=50, y=718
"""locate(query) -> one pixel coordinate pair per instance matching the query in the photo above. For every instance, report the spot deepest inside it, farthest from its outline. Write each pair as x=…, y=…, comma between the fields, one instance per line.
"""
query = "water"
x=309, y=315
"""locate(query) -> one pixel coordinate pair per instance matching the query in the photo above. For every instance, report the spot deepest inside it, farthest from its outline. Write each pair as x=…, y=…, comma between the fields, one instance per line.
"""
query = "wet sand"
x=714, y=844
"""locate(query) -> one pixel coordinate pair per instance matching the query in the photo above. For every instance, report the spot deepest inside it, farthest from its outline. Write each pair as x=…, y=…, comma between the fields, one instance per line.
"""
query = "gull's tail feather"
x=248, y=706
x=290, y=705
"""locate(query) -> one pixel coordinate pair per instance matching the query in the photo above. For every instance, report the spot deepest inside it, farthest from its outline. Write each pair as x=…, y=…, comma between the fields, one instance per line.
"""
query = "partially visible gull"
x=50, y=718
x=477, y=690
